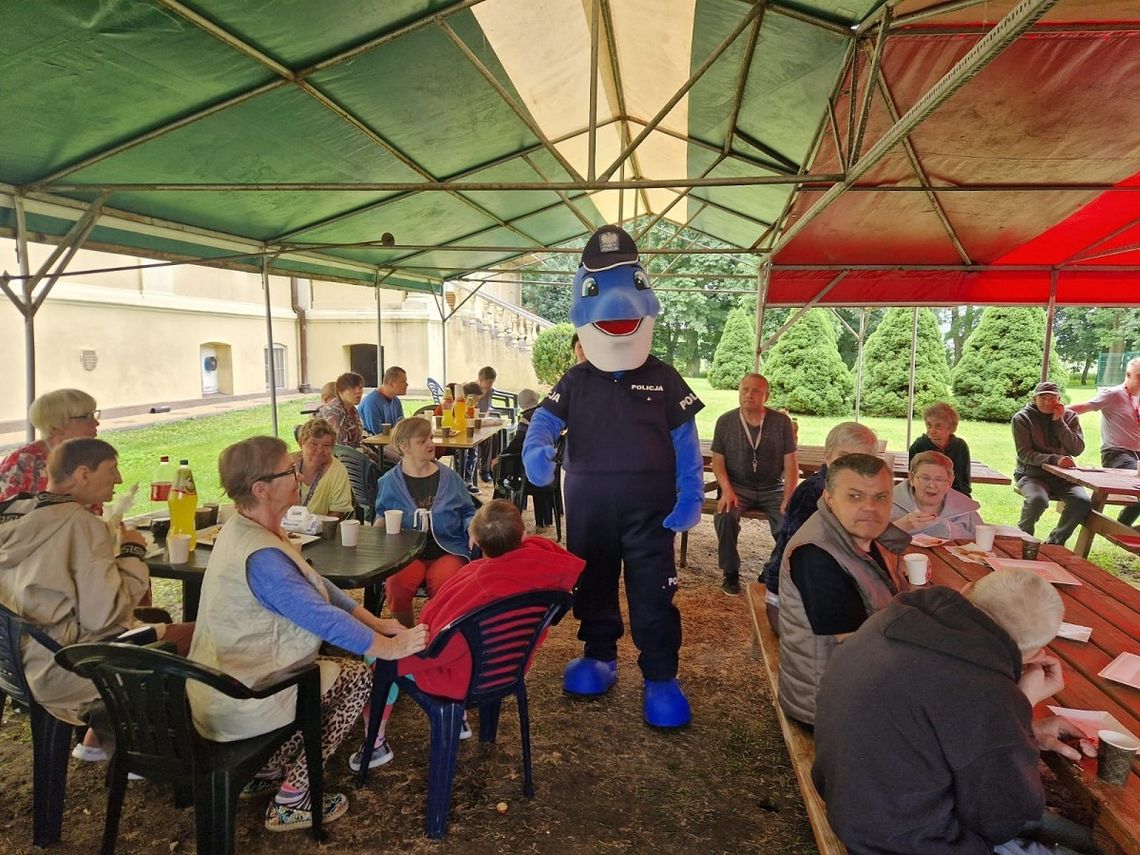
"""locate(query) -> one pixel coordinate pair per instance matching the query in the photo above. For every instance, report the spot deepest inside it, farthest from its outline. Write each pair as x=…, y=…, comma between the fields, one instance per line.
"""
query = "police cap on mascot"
x=633, y=475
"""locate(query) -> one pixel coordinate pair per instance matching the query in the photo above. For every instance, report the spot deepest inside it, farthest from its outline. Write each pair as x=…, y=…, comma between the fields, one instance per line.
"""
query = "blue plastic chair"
x=51, y=738
x=502, y=637
x=435, y=389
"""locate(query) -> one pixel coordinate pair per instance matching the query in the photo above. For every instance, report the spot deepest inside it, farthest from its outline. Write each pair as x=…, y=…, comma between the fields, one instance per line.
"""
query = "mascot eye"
x=641, y=280
x=589, y=287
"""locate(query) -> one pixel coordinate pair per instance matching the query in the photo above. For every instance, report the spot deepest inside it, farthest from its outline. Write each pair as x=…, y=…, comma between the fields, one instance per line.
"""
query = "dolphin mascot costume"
x=634, y=475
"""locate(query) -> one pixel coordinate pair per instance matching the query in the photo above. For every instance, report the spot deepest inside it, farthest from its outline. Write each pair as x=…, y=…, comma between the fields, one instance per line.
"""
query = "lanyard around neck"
x=755, y=443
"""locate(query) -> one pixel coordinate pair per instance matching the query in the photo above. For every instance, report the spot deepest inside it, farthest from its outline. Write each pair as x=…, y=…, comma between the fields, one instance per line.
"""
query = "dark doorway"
x=362, y=360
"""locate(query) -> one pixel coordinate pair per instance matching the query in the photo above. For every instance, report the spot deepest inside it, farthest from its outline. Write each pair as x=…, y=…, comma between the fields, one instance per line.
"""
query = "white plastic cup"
x=917, y=568
x=882, y=445
x=178, y=548
x=393, y=520
x=349, y=532
x=984, y=537
x=226, y=513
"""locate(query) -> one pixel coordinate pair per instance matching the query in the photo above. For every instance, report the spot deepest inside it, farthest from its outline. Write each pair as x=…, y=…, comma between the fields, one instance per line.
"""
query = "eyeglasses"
x=281, y=474
x=92, y=416
x=926, y=479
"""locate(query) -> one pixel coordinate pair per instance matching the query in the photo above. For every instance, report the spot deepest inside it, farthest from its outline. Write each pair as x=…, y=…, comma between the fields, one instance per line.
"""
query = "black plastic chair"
x=144, y=690
x=51, y=738
x=362, y=475
x=512, y=484
x=502, y=638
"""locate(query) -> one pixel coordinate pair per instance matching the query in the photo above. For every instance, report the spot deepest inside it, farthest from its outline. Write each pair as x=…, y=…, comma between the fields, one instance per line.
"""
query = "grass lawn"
x=201, y=440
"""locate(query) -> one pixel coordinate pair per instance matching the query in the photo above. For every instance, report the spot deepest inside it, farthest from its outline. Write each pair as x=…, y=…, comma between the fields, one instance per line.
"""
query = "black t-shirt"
x=776, y=440
x=830, y=596
x=423, y=492
x=622, y=424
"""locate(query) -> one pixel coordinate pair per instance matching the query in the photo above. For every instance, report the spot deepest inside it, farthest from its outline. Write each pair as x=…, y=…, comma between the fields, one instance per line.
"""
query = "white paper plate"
x=1125, y=669
x=1090, y=721
x=1047, y=570
x=926, y=541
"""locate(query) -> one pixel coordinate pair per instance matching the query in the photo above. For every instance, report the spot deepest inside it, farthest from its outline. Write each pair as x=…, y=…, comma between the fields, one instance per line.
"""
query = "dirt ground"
x=604, y=781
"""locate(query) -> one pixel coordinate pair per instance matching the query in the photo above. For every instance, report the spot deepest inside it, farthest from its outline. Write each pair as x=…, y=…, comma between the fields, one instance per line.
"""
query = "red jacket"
x=537, y=565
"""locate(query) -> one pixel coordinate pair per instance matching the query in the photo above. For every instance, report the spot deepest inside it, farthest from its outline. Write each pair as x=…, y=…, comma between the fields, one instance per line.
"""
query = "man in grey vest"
x=838, y=569
x=754, y=461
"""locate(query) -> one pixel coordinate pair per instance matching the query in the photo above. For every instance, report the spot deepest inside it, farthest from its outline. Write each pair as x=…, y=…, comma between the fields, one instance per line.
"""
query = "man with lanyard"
x=1119, y=427
x=754, y=461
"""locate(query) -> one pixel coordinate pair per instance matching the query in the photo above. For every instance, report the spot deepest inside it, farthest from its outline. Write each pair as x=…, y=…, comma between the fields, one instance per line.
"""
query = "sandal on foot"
x=259, y=787
x=286, y=818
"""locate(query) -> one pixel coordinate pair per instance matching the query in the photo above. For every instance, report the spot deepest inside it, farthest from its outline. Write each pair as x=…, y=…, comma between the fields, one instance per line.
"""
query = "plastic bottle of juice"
x=472, y=409
x=160, y=482
x=447, y=406
x=459, y=418
x=183, y=502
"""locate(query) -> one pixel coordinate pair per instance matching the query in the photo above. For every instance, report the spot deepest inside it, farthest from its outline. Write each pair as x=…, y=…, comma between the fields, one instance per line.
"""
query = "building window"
x=278, y=366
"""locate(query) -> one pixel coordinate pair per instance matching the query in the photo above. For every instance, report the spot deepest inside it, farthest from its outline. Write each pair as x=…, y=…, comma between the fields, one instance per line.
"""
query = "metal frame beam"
x=799, y=313
x=988, y=48
x=709, y=61
x=742, y=80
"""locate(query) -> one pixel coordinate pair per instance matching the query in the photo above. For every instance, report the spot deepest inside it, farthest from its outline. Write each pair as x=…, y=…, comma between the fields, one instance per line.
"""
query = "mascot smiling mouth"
x=623, y=327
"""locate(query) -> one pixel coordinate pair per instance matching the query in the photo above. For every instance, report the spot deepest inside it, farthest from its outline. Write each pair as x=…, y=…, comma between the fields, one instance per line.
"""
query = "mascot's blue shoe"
x=585, y=676
x=666, y=704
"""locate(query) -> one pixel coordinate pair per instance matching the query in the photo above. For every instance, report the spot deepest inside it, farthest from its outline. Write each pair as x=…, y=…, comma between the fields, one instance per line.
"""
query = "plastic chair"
x=512, y=484
x=362, y=475
x=51, y=738
x=502, y=638
x=435, y=389
x=144, y=690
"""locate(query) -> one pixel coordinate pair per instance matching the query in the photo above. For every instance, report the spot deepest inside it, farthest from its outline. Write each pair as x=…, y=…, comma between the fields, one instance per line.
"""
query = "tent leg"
x=379, y=340
x=910, y=385
x=1050, y=315
x=271, y=362
x=28, y=313
x=859, y=362
x=763, y=272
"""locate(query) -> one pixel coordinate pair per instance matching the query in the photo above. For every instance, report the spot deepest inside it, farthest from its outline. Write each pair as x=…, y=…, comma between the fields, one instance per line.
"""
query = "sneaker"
x=259, y=787
x=464, y=729
x=731, y=586
x=286, y=818
x=381, y=754
x=89, y=753
x=486, y=477
x=473, y=489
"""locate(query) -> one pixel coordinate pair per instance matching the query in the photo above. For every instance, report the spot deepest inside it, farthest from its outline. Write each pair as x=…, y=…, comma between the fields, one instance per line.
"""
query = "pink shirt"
x=1119, y=418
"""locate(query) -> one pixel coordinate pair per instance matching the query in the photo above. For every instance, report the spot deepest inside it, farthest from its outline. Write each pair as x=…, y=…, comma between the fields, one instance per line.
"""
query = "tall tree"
x=886, y=364
x=736, y=352
x=959, y=322
x=804, y=370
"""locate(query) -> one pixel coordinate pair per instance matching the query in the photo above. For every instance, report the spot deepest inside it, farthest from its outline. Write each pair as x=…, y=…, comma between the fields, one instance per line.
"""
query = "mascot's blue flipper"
x=538, y=447
x=690, y=478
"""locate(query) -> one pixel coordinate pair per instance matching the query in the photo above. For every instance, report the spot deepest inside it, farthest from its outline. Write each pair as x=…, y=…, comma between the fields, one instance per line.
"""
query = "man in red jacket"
x=512, y=564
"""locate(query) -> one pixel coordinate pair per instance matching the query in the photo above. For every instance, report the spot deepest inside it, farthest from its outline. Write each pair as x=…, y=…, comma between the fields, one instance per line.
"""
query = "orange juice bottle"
x=183, y=502
x=446, y=406
x=459, y=417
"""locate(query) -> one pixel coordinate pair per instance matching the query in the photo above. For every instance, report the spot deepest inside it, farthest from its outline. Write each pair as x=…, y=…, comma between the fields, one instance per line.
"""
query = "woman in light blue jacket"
x=421, y=483
x=926, y=504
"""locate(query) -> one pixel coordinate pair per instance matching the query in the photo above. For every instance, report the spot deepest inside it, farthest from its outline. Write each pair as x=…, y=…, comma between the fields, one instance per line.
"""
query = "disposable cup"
x=471, y=431
x=984, y=537
x=882, y=446
x=385, y=429
x=178, y=548
x=1114, y=756
x=328, y=528
x=393, y=521
x=160, y=528
x=917, y=568
x=226, y=512
x=349, y=532
x=1030, y=547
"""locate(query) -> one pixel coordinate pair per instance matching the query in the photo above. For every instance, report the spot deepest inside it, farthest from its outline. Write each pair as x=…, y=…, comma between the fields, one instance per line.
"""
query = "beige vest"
x=803, y=654
x=239, y=636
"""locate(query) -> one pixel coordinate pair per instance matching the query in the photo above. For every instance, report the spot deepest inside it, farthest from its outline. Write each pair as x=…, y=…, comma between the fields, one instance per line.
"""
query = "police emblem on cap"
x=608, y=247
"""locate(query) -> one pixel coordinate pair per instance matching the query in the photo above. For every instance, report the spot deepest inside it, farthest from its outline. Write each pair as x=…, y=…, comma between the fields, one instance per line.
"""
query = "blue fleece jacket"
x=451, y=512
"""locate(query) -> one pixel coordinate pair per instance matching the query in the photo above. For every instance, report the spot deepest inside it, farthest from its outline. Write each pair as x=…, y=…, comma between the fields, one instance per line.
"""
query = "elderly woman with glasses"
x=59, y=415
x=925, y=503
x=263, y=611
x=325, y=488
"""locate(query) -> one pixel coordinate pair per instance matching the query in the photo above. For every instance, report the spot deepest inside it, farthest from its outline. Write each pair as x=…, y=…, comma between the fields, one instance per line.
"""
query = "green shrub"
x=735, y=354
x=1001, y=363
x=886, y=365
x=553, y=355
x=805, y=371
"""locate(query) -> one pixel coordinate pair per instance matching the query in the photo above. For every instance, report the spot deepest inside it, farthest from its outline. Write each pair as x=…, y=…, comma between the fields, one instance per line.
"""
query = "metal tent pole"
x=29, y=315
x=1050, y=316
x=859, y=362
x=762, y=274
x=271, y=361
x=910, y=386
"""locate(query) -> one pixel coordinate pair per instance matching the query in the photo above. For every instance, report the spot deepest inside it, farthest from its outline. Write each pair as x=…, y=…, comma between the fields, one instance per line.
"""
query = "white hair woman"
x=265, y=610
x=59, y=415
x=925, y=503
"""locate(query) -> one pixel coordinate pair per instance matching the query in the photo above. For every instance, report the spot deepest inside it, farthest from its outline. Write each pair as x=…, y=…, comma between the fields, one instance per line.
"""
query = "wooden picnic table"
x=1112, y=608
x=1105, y=485
x=376, y=557
x=811, y=458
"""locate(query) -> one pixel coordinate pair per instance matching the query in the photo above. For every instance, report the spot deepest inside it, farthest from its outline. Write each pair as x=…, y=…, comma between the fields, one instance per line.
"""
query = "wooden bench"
x=1113, y=531
x=801, y=745
x=709, y=508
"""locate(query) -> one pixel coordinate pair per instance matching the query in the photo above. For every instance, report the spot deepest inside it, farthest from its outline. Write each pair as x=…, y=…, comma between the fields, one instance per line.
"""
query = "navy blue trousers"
x=614, y=520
